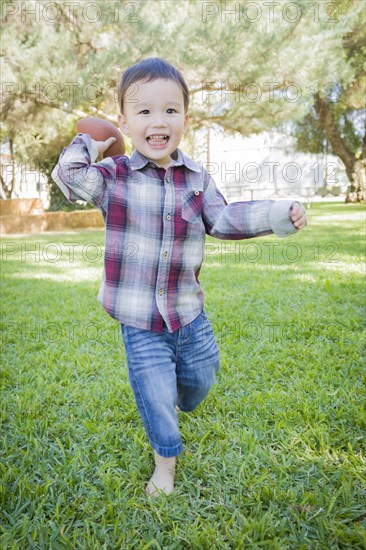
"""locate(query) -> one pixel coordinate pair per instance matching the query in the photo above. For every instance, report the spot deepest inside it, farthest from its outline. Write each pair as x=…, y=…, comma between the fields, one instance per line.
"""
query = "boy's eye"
x=171, y=110
x=144, y=112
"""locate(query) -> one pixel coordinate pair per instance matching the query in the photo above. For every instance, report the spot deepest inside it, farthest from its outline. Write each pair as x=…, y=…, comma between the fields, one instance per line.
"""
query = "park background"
x=275, y=456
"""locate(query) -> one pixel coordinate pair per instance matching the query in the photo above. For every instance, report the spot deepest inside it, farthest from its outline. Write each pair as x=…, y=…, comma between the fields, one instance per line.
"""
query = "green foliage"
x=274, y=458
x=310, y=135
x=345, y=97
x=67, y=68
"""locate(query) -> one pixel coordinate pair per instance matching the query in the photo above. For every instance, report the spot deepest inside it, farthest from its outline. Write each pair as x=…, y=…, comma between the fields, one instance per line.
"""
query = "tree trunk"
x=8, y=188
x=355, y=168
x=357, y=190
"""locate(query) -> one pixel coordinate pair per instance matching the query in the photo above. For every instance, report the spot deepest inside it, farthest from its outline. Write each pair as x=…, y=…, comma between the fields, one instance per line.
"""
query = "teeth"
x=158, y=137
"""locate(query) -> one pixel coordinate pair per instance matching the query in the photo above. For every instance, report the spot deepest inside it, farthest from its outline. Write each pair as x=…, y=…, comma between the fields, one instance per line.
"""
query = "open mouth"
x=157, y=139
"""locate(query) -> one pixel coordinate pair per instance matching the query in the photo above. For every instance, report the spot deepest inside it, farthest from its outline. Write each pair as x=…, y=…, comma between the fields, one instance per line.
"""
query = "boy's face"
x=154, y=118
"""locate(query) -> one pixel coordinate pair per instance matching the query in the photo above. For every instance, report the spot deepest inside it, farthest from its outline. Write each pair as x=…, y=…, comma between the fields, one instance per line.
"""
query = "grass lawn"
x=274, y=458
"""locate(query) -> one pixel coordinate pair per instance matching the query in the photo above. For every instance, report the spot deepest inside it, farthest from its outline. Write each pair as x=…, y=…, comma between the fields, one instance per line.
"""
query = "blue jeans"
x=168, y=369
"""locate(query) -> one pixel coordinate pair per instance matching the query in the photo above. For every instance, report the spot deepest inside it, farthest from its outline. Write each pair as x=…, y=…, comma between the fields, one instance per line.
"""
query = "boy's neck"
x=173, y=157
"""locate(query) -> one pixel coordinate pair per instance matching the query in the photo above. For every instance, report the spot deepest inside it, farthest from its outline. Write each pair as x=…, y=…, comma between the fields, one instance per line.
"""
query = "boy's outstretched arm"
x=246, y=219
x=77, y=174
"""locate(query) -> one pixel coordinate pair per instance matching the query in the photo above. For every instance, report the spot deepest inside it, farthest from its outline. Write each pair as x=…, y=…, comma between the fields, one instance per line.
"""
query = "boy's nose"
x=159, y=122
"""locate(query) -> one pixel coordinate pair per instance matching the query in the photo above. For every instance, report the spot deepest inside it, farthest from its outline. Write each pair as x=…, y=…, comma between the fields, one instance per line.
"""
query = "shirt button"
x=165, y=254
x=167, y=180
x=168, y=217
x=196, y=192
x=161, y=291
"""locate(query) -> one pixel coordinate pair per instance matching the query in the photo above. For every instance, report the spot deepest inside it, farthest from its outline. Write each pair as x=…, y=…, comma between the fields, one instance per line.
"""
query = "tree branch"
x=225, y=86
x=73, y=23
x=76, y=112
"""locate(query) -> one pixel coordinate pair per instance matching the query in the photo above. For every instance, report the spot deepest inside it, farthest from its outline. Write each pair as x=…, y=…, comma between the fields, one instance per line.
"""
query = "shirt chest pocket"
x=192, y=202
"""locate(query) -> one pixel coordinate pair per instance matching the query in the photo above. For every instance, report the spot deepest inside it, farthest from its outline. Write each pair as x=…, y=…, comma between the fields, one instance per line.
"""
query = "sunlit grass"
x=274, y=458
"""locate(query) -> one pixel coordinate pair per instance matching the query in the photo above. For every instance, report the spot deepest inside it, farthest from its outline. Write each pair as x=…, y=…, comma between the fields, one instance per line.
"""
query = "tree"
x=338, y=118
x=56, y=68
x=252, y=69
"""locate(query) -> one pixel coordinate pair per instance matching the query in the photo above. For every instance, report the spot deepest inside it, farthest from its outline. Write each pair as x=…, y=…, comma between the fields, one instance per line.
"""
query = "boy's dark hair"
x=148, y=70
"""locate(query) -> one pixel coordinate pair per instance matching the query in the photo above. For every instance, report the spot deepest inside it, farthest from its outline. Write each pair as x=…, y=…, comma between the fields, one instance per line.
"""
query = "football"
x=100, y=130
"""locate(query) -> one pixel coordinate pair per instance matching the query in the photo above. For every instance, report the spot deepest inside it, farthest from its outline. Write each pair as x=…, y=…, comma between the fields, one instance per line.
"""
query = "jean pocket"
x=192, y=202
x=128, y=331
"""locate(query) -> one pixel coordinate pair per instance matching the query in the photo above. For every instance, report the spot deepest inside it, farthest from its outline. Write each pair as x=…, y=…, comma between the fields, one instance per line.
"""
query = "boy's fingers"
x=104, y=145
x=109, y=142
x=296, y=211
x=298, y=216
x=300, y=222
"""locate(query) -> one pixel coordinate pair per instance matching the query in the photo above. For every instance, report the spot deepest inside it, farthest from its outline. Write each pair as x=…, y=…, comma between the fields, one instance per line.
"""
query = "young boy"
x=157, y=206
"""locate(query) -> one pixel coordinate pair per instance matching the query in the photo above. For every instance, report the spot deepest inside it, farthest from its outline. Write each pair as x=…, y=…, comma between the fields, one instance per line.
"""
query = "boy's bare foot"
x=163, y=477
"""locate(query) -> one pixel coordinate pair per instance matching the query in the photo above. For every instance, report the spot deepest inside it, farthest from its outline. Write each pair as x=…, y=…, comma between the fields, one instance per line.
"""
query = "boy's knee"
x=190, y=398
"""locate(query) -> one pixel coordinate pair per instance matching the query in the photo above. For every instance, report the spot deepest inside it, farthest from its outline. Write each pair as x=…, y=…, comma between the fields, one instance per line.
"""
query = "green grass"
x=274, y=458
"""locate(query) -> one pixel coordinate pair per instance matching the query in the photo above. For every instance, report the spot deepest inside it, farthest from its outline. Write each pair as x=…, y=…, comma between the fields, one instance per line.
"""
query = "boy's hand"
x=104, y=145
x=298, y=215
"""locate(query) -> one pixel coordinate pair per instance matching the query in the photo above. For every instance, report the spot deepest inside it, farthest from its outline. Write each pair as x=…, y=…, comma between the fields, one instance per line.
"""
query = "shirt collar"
x=138, y=161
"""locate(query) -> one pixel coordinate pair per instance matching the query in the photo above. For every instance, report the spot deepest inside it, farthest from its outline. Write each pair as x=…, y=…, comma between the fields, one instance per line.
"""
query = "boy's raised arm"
x=79, y=177
x=243, y=220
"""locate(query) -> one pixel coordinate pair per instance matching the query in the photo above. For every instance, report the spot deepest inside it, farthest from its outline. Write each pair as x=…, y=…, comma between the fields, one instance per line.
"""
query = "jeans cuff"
x=167, y=452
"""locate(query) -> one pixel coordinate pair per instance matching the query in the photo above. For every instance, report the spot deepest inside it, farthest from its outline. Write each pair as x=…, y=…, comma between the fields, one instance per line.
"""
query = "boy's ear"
x=123, y=124
x=186, y=119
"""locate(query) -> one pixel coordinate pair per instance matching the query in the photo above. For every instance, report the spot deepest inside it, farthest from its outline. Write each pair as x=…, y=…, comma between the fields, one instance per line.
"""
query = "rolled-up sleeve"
x=245, y=219
x=279, y=218
x=79, y=177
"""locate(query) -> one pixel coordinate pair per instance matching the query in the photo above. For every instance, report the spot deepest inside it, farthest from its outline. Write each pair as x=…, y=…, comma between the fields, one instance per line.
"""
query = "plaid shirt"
x=156, y=221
